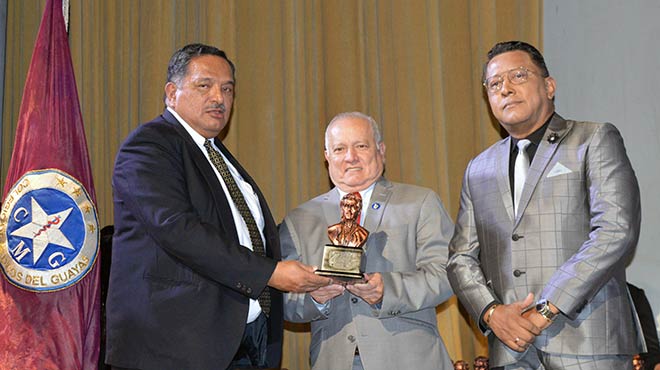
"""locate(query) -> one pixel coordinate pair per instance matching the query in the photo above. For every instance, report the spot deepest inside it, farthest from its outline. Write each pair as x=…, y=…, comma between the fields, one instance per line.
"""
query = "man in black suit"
x=196, y=276
x=650, y=358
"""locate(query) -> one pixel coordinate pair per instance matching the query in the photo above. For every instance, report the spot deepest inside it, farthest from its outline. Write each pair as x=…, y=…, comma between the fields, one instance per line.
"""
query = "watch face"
x=543, y=308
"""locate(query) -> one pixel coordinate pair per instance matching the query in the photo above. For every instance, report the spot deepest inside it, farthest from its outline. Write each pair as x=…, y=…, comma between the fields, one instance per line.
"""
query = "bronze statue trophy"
x=343, y=260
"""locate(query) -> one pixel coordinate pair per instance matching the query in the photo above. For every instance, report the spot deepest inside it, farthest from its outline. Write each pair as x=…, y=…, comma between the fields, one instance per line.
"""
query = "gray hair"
x=378, y=137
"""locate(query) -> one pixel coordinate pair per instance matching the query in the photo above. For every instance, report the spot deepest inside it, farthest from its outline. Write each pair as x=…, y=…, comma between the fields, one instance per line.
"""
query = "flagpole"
x=65, y=13
x=3, y=35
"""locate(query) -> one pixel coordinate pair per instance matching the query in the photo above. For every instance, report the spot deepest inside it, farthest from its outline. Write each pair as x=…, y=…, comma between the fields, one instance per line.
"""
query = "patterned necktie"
x=244, y=210
x=520, y=172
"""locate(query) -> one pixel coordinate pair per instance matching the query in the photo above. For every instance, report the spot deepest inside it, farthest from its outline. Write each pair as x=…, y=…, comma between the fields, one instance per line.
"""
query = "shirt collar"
x=199, y=139
x=363, y=193
x=535, y=137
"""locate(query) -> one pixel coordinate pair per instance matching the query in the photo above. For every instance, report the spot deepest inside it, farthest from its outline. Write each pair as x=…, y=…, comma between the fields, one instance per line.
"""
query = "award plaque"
x=344, y=260
x=344, y=263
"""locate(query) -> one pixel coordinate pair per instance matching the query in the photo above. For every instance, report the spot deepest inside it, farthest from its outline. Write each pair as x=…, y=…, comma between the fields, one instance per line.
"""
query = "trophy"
x=343, y=260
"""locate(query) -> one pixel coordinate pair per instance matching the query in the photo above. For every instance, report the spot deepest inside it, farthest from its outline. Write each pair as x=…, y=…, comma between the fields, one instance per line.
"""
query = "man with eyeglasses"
x=549, y=217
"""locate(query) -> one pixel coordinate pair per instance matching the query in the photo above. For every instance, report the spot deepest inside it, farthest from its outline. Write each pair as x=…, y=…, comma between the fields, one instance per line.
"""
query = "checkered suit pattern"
x=577, y=225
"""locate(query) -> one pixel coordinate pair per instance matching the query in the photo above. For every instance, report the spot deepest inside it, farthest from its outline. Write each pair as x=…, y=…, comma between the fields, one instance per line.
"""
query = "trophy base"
x=342, y=278
x=342, y=264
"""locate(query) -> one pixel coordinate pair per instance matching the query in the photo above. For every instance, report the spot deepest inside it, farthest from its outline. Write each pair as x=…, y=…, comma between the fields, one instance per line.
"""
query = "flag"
x=49, y=237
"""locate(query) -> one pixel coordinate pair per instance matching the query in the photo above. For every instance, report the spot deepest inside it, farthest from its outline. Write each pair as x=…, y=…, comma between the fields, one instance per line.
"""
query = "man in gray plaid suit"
x=549, y=218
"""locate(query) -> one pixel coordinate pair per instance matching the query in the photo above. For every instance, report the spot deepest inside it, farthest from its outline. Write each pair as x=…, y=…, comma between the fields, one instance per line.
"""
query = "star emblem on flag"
x=44, y=229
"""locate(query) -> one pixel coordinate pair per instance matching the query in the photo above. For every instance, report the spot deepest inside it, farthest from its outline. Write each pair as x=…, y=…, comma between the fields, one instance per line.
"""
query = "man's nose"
x=351, y=155
x=507, y=87
x=216, y=94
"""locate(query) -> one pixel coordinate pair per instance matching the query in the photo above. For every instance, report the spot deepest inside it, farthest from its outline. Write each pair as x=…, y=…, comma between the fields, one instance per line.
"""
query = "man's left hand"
x=371, y=291
x=326, y=293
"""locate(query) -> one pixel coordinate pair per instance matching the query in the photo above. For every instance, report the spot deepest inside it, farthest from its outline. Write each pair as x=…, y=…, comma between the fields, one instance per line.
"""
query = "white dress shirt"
x=248, y=193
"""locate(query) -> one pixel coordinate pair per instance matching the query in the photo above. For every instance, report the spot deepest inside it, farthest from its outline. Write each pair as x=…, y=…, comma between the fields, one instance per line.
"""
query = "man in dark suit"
x=196, y=279
x=650, y=358
x=548, y=218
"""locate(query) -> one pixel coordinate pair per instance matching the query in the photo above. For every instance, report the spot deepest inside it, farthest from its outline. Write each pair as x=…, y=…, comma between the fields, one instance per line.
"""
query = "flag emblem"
x=48, y=232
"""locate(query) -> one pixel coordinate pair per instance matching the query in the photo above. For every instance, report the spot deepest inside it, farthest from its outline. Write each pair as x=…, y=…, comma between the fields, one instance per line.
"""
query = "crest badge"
x=49, y=235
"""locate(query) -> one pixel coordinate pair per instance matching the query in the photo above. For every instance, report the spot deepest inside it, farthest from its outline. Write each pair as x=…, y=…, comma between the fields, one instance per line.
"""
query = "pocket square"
x=558, y=169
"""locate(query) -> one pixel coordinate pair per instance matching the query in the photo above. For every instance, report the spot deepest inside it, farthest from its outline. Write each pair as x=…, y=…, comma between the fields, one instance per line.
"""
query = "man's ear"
x=550, y=85
x=381, y=149
x=170, y=94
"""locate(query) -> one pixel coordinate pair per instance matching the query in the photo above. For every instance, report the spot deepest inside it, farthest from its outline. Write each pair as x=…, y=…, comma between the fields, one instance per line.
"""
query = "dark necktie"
x=244, y=210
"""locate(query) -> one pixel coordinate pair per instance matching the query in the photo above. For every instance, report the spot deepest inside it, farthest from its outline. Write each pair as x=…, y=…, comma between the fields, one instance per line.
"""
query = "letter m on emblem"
x=19, y=252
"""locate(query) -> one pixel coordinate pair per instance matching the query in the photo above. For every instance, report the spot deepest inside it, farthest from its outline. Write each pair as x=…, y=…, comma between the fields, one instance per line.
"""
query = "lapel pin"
x=553, y=137
x=375, y=205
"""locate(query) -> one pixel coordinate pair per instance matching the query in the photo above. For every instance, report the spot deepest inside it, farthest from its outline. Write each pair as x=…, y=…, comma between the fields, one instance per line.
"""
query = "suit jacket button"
x=517, y=273
x=516, y=237
x=354, y=300
x=248, y=290
x=351, y=338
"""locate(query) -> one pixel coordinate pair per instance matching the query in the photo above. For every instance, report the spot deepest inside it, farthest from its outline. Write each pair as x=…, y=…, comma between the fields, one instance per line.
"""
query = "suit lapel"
x=553, y=136
x=330, y=206
x=216, y=193
x=198, y=158
x=502, y=174
x=376, y=207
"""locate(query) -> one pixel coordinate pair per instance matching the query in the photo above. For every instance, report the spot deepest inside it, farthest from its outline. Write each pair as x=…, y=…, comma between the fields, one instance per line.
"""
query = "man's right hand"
x=295, y=277
x=511, y=327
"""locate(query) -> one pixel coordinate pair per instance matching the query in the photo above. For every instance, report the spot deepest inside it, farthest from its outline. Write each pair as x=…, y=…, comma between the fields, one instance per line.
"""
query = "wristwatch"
x=543, y=308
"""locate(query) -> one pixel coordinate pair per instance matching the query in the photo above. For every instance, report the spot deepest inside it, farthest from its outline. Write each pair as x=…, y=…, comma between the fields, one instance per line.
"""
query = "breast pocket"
x=563, y=189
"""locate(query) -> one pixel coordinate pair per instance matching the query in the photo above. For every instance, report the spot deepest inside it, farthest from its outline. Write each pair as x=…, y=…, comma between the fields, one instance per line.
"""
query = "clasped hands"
x=293, y=276
x=371, y=290
x=516, y=325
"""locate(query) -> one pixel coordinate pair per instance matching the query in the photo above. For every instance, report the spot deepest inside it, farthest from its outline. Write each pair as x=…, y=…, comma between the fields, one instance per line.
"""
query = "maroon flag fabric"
x=49, y=251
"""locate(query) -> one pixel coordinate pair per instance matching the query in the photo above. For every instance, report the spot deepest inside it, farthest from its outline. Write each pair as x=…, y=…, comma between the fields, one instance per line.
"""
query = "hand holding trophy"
x=344, y=259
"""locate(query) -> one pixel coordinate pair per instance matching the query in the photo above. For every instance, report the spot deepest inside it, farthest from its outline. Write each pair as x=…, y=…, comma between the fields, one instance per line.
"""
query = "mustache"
x=220, y=107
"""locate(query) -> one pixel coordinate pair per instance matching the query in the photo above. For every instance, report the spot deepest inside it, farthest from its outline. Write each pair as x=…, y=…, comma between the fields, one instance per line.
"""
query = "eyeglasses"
x=516, y=76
